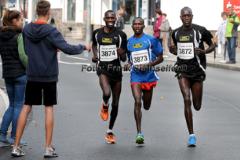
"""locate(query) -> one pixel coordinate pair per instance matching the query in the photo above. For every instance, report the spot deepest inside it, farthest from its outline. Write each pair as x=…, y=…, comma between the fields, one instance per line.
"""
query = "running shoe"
x=110, y=138
x=17, y=152
x=140, y=138
x=192, y=141
x=50, y=153
x=104, y=113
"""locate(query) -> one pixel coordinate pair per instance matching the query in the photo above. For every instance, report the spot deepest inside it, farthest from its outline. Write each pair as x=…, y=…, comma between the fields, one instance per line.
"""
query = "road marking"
x=74, y=63
x=74, y=57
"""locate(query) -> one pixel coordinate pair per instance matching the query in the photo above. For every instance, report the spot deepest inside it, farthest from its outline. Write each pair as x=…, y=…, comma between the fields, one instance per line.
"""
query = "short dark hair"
x=138, y=18
x=186, y=9
x=158, y=11
x=109, y=11
x=9, y=16
x=224, y=14
x=43, y=7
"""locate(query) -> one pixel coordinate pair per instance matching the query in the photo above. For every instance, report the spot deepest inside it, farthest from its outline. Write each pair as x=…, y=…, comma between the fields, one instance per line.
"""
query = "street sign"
x=234, y=3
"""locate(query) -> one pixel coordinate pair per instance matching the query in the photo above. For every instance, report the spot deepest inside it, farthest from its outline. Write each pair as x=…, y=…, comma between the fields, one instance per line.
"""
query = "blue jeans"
x=16, y=91
x=231, y=45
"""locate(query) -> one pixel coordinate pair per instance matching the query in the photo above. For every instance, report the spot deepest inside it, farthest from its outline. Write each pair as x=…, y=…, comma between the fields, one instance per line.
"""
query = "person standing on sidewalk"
x=220, y=36
x=41, y=42
x=232, y=34
x=164, y=34
x=157, y=24
x=191, y=64
x=13, y=71
x=109, y=49
x=144, y=52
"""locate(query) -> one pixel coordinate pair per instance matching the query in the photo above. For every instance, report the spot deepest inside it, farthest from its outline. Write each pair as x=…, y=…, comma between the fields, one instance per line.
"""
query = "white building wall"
x=98, y=9
x=205, y=12
x=56, y=3
x=79, y=11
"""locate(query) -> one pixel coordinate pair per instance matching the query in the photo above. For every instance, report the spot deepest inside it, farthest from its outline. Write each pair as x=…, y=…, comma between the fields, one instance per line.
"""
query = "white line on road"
x=74, y=57
x=74, y=63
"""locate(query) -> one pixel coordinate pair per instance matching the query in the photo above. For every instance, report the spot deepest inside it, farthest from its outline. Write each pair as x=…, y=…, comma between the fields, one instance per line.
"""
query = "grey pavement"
x=79, y=131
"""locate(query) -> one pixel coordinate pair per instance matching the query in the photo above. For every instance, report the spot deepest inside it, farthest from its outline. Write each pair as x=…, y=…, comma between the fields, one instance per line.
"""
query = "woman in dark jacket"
x=13, y=72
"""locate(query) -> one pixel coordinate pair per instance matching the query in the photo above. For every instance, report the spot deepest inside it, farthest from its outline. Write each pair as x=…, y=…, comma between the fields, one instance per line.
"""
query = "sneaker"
x=12, y=140
x=104, y=113
x=50, y=153
x=140, y=138
x=17, y=152
x=192, y=141
x=3, y=138
x=110, y=138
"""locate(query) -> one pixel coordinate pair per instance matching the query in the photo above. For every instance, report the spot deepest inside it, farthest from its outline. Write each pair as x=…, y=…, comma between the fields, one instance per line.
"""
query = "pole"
x=24, y=8
x=88, y=24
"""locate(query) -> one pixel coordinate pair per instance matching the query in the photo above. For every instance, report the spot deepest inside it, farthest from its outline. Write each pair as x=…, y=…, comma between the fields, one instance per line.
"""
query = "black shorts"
x=192, y=77
x=41, y=93
x=114, y=73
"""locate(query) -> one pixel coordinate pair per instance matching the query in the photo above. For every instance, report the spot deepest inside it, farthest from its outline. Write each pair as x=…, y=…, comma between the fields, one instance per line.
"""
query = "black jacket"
x=12, y=66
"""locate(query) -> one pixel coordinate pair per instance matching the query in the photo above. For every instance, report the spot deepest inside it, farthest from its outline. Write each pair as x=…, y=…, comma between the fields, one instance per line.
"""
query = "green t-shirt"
x=231, y=28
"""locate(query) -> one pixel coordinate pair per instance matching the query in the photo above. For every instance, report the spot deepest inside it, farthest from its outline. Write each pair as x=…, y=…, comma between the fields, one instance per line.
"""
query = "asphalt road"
x=79, y=131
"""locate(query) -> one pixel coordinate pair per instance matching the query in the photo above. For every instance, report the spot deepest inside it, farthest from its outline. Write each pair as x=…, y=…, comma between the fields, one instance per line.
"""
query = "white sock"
x=109, y=131
x=105, y=103
x=192, y=135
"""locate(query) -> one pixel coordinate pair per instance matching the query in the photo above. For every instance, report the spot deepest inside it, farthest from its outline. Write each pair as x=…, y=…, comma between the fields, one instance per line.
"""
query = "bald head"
x=109, y=12
x=186, y=10
x=138, y=19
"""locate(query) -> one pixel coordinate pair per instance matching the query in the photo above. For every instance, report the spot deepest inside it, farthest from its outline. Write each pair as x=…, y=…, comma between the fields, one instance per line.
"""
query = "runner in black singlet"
x=191, y=64
x=109, y=48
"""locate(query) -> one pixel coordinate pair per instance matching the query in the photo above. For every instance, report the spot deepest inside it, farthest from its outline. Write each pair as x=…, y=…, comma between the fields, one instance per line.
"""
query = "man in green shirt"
x=231, y=34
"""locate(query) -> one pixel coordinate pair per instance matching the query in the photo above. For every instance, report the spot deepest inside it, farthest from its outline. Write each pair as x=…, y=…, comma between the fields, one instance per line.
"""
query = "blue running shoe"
x=140, y=138
x=192, y=141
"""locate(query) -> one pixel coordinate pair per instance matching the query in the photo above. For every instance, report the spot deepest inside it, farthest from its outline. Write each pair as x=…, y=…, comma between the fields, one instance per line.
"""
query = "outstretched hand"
x=88, y=47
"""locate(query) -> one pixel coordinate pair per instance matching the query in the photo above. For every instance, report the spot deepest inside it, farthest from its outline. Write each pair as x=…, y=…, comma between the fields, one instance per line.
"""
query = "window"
x=71, y=10
x=126, y=6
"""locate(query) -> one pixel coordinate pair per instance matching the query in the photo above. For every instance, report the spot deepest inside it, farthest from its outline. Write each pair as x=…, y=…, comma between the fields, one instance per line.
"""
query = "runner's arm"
x=208, y=38
x=172, y=47
x=123, y=47
x=94, y=48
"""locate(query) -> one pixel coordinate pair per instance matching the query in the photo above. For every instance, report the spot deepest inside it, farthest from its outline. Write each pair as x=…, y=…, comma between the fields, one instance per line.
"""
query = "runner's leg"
x=137, y=94
x=197, y=90
x=147, y=98
x=184, y=84
x=105, y=86
x=116, y=91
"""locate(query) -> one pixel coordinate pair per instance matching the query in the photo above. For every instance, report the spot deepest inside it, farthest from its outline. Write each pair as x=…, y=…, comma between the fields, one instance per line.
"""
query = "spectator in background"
x=52, y=22
x=157, y=24
x=220, y=36
x=164, y=33
x=120, y=20
x=232, y=34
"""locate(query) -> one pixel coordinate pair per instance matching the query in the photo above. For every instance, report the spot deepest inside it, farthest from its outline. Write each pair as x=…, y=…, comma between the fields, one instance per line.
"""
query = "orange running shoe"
x=104, y=113
x=110, y=138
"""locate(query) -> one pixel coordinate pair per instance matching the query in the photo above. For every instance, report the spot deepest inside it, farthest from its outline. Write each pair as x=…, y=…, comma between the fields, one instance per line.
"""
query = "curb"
x=4, y=102
x=221, y=66
x=216, y=65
